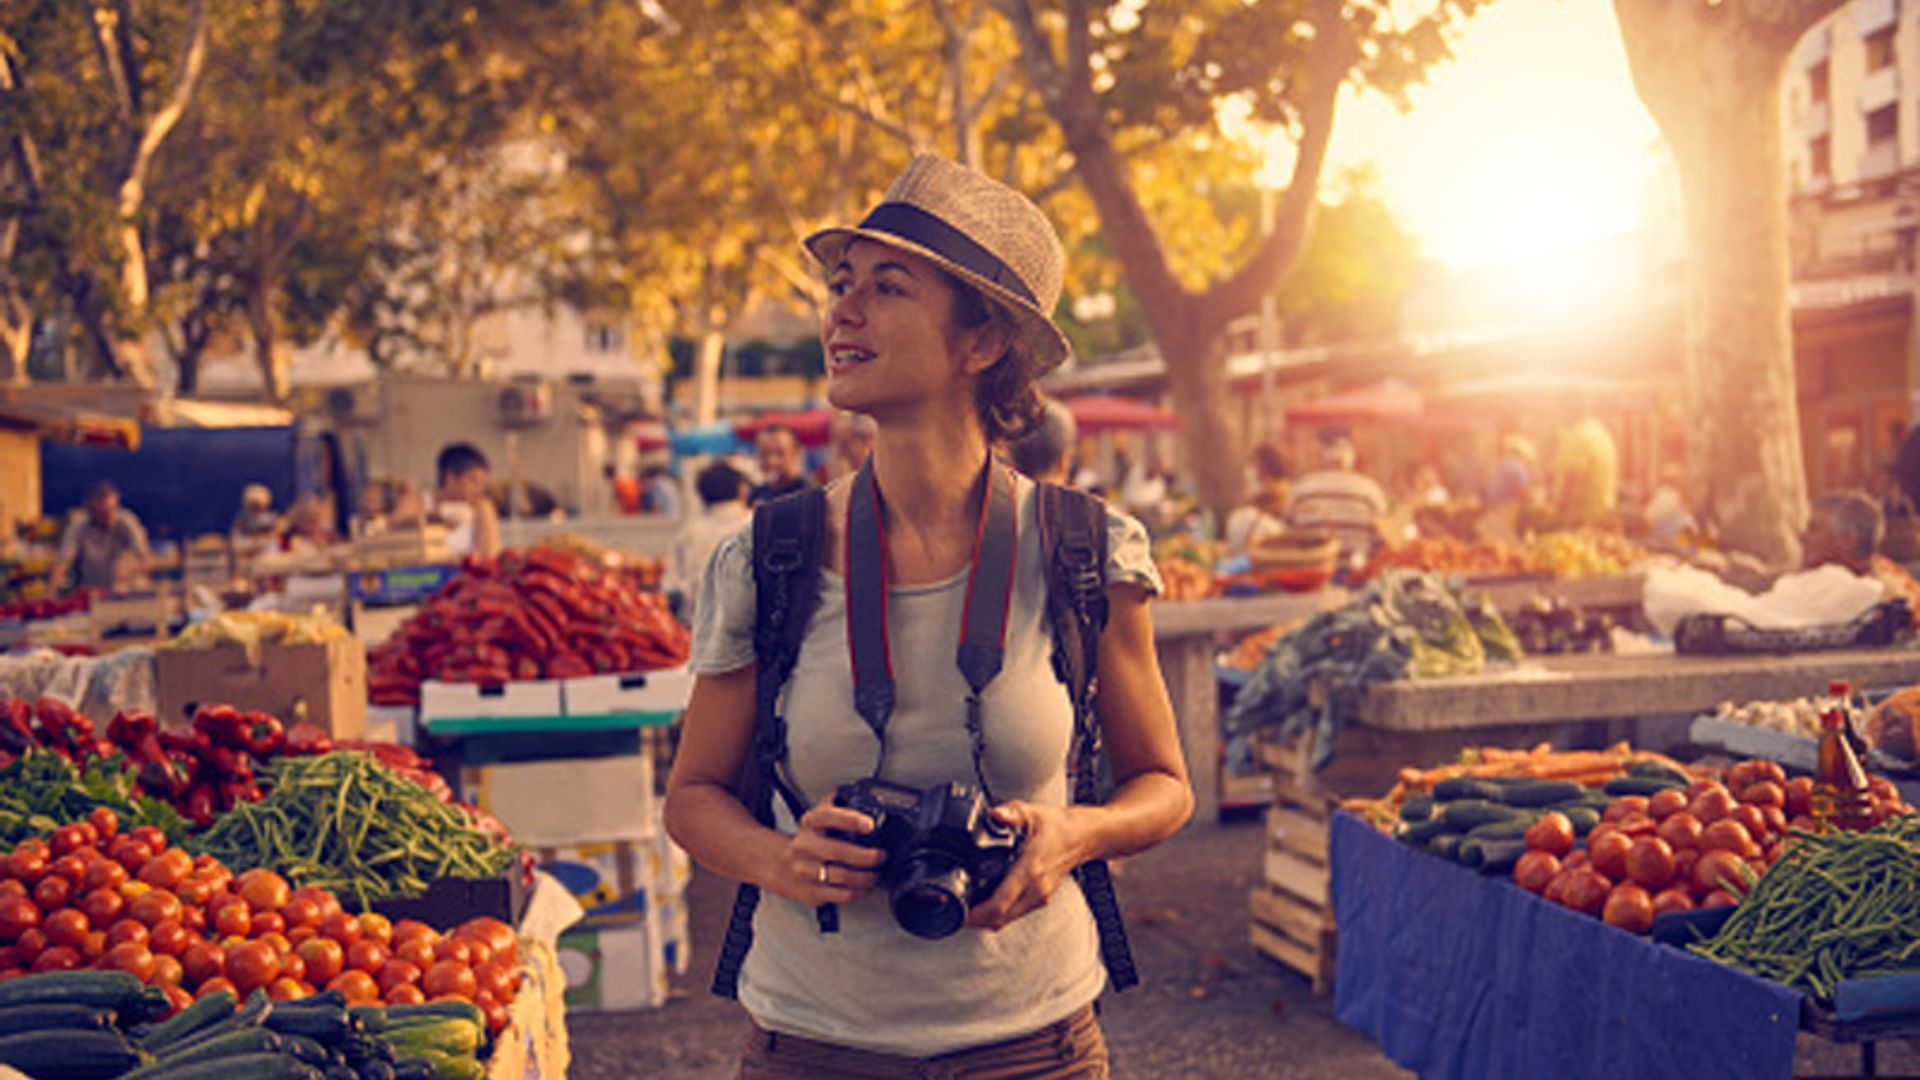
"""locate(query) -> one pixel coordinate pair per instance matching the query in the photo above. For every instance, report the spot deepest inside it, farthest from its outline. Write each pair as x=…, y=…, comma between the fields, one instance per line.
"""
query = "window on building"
x=1818, y=77
x=605, y=337
x=1820, y=158
x=1880, y=49
x=1883, y=124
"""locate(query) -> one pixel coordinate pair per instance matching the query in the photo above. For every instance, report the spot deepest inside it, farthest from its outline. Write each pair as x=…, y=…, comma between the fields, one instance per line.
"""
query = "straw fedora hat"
x=977, y=229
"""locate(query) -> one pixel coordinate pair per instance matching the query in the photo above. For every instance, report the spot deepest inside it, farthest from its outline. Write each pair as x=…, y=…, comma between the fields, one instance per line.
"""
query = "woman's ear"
x=984, y=346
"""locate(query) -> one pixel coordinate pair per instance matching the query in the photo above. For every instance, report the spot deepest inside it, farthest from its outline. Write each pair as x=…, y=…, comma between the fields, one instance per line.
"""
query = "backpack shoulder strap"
x=1073, y=553
x=786, y=579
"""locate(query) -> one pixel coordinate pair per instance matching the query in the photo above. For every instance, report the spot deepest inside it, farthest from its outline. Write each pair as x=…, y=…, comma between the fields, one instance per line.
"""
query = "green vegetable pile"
x=1834, y=907
x=41, y=791
x=350, y=825
x=1404, y=624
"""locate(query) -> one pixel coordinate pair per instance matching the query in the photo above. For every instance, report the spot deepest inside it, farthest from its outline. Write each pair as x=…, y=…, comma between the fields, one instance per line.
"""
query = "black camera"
x=945, y=852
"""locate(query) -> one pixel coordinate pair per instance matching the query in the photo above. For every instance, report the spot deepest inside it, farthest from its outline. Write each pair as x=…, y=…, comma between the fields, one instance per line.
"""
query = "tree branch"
x=186, y=78
x=118, y=77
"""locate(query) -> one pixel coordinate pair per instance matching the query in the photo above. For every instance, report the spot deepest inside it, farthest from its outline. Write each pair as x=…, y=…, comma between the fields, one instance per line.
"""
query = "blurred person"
x=783, y=464
x=255, y=524
x=1046, y=452
x=723, y=510
x=850, y=441
x=1586, y=474
x=462, y=504
x=1666, y=516
x=659, y=490
x=104, y=545
x=1845, y=528
x=938, y=327
x=1511, y=479
x=1263, y=515
x=1424, y=487
x=1339, y=499
x=309, y=528
x=628, y=496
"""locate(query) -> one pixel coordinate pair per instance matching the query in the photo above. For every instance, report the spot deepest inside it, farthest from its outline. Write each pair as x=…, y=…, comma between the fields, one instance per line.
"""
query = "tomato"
x=133, y=958
x=169, y=938
x=17, y=915
x=367, y=956
x=66, y=839
x=104, y=907
x=501, y=937
x=1765, y=793
x=449, y=977
x=57, y=958
x=215, y=985
x=68, y=926
x=1665, y=804
x=415, y=951
x=128, y=930
x=1729, y=835
x=32, y=942
x=376, y=927
x=1776, y=820
x=1629, y=907
x=342, y=928
x=11, y=886
x=1720, y=869
x=412, y=928
x=285, y=988
x=231, y=918
x=252, y=964
x=1681, y=830
x=167, y=869
x=1711, y=806
x=395, y=973
x=1586, y=891
x=1700, y=787
x=1769, y=772
x=70, y=866
x=406, y=994
x=1624, y=805
x=105, y=822
x=503, y=981
x=105, y=874
x=268, y=922
x=1672, y=898
x=1609, y=852
x=358, y=986
x=1684, y=860
x=156, y=906
x=301, y=911
x=264, y=890
x=482, y=952
x=177, y=999
x=196, y=891
x=1740, y=775
x=328, y=903
x=53, y=893
x=281, y=946
x=1576, y=860
x=131, y=855
x=167, y=971
x=1650, y=862
x=203, y=960
x=495, y=1013
x=1551, y=833
x=1719, y=898
x=194, y=919
x=151, y=836
x=1637, y=825
x=1535, y=871
x=292, y=967
x=454, y=949
x=301, y=934
x=26, y=864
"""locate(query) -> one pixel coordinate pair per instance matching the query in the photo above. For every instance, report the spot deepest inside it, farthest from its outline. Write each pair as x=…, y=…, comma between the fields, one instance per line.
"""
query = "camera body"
x=945, y=852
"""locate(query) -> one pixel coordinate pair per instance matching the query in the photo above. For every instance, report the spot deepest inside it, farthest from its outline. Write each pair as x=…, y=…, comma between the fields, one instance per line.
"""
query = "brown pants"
x=1072, y=1049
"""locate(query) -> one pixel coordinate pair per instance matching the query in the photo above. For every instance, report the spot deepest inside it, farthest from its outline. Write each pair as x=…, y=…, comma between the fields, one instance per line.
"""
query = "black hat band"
x=909, y=222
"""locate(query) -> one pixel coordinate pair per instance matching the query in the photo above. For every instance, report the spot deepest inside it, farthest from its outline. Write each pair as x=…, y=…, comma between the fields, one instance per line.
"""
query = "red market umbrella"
x=649, y=435
x=1387, y=400
x=1097, y=413
x=813, y=427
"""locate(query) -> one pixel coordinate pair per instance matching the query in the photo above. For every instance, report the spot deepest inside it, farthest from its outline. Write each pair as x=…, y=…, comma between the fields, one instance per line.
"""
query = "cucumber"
x=413, y=1069
x=1511, y=829
x=1541, y=792
x=448, y=1035
x=444, y=1066
x=306, y=1050
x=1416, y=809
x=240, y=1067
x=327, y=1025
x=1465, y=787
x=465, y=1010
x=1658, y=770
x=1584, y=818
x=21, y=1018
x=1412, y=834
x=116, y=990
x=375, y=1070
x=325, y=997
x=1467, y=813
x=69, y=1055
x=233, y=1044
x=1469, y=853
x=204, y=1013
x=1445, y=845
x=373, y=1018
x=1640, y=785
x=1498, y=856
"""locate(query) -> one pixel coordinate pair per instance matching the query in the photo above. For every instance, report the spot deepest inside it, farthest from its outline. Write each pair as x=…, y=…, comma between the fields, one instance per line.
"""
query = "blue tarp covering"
x=1461, y=976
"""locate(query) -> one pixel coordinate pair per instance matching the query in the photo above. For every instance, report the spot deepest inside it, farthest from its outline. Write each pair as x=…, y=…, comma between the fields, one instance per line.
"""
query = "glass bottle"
x=1841, y=797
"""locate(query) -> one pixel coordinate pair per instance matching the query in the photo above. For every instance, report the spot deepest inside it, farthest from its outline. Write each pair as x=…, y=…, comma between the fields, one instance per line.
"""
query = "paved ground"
x=1210, y=1007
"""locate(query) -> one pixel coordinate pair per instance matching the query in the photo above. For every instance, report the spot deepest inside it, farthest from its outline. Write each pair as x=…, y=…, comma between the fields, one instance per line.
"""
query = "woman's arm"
x=1152, y=797
x=706, y=817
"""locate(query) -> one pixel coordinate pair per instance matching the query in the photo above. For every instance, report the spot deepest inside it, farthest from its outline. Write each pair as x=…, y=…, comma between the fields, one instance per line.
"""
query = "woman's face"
x=889, y=334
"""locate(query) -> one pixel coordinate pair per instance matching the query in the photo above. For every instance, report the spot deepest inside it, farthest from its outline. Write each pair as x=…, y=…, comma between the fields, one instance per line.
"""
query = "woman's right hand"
x=815, y=868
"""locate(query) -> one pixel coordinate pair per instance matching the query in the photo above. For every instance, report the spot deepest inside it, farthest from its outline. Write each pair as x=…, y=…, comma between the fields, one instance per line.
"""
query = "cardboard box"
x=329, y=679
x=617, y=880
x=394, y=724
x=676, y=942
x=643, y=697
x=462, y=708
x=400, y=584
x=566, y=801
x=450, y=901
x=615, y=967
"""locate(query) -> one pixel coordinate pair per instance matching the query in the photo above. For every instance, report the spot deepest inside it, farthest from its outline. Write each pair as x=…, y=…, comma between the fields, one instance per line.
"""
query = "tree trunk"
x=268, y=350
x=16, y=333
x=1711, y=77
x=707, y=358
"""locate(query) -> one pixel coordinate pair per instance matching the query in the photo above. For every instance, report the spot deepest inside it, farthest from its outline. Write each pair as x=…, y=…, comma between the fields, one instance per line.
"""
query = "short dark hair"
x=779, y=428
x=459, y=459
x=1856, y=514
x=1269, y=462
x=1046, y=447
x=101, y=490
x=719, y=483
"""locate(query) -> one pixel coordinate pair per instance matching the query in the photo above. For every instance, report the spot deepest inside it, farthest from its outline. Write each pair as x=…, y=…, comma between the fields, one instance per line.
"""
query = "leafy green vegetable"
x=42, y=791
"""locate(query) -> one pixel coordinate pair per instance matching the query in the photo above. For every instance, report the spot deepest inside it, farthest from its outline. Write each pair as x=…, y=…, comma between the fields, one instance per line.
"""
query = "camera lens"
x=930, y=900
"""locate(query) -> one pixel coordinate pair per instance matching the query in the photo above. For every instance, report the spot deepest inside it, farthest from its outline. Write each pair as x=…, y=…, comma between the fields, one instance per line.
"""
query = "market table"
x=1459, y=975
x=1185, y=636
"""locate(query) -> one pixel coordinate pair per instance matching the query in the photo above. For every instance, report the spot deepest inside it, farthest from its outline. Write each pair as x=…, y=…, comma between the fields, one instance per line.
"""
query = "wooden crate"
x=1292, y=912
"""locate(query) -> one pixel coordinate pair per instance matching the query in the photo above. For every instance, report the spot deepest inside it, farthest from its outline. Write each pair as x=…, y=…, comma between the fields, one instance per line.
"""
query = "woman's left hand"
x=1050, y=850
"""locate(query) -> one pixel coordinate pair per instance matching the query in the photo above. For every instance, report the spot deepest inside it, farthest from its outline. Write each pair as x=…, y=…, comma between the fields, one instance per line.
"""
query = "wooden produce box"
x=1292, y=912
x=325, y=682
x=403, y=547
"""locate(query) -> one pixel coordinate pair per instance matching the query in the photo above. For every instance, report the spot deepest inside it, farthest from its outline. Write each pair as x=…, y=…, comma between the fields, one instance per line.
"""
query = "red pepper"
x=199, y=806
x=62, y=729
x=168, y=776
x=192, y=742
x=262, y=733
x=16, y=726
x=102, y=748
x=130, y=727
x=228, y=762
x=567, y=665
x=237, y=791
x=304, y=739
x=222, y=725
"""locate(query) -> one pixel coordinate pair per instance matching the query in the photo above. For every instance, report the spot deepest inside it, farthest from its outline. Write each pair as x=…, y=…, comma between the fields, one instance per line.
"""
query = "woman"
x=936, y=329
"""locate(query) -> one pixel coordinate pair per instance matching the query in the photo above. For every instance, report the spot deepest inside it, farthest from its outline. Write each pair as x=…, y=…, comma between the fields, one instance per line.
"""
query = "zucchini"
x=1416, y=809
x=339, y=1070
x=1541, y=792
x=375, y=1070
x=443, y=1066
x=328, y=1025
x=116, y=990
x=1511, y=829
x=1469, y=853
x=251, y=1040
x=449, y=1035
x=333, y=998
x=1465, y=787
x=69, y=1055
x=306, y=1050
x=1640, y=785
x=465, y=1010
x=1658, y=770
x=239, y=1067
x=1584, y=818
x=373, y=1018
x=1422, y=833
x=1498, y=856
x=53, y=1017
x=413, y=1069
x=204, y=1013
x=1467, y=813
x=1445, y=845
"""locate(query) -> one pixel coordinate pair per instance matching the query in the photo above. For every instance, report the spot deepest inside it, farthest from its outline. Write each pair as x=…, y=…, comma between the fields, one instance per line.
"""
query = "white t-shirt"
x=872, y=985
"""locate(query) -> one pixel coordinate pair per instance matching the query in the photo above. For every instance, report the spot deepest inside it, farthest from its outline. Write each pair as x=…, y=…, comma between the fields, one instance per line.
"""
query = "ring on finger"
x=823, y=873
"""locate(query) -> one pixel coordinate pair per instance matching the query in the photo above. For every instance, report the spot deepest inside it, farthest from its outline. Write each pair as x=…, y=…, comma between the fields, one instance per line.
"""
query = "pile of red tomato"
x=92, y=896
x=1676, y=850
